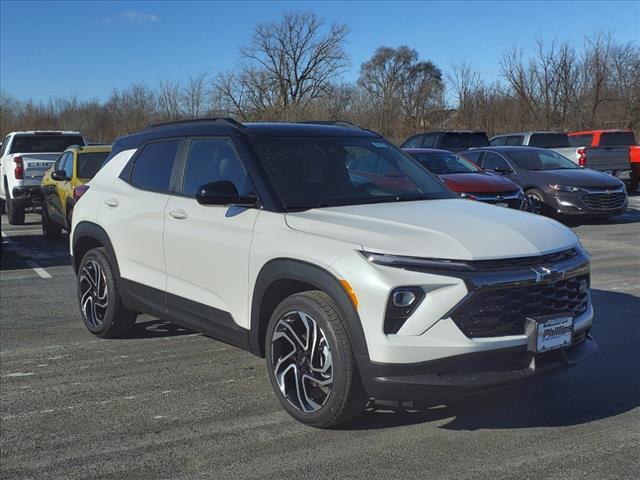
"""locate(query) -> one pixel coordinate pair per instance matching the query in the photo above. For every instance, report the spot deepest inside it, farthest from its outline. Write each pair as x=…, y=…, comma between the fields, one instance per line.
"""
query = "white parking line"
x=42, y=273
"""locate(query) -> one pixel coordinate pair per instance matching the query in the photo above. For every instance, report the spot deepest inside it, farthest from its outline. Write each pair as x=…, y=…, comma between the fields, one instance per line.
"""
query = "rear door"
x=134, y=210
x=207, y=246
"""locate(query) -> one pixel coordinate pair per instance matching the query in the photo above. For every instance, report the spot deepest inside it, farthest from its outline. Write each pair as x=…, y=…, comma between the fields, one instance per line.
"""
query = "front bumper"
x=593, y=203
x=441, y=379
x=30, y=196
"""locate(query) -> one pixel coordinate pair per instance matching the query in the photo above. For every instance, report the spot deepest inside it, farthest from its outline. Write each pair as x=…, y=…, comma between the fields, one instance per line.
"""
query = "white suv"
x=333, y=254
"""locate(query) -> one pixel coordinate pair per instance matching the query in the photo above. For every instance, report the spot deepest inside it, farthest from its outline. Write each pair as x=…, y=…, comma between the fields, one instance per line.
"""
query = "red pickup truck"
x=612, y=139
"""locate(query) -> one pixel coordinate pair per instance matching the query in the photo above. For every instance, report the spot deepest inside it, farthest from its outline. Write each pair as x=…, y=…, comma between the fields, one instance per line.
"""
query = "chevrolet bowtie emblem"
x=544, y=273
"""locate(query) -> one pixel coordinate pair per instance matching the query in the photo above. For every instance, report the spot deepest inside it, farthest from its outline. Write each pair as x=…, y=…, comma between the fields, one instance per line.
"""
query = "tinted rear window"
x=464, y=140
x=152, y=169
x=90, y=163
x=44, y=143
x=549, y=140
x=583, y=140
x=613, y=139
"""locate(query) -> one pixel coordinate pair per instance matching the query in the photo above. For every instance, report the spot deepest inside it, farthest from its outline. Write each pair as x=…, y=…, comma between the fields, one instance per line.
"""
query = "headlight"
x=416, y=263
x=564, y=188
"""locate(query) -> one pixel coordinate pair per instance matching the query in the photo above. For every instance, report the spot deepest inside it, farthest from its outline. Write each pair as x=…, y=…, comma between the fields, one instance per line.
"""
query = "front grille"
x=604, y=201
x=524, y=262
x=503, y=311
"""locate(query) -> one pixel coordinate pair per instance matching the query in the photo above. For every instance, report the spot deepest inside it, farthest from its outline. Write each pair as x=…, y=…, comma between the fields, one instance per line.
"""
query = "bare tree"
x=194, y=96
x=287, y=64
x=402, y=89
x=169, y=100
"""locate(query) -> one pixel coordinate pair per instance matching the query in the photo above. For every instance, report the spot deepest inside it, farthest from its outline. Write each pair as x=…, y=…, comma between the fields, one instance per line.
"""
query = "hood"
x=478, y=183
x=452, y=229
x=576, y=177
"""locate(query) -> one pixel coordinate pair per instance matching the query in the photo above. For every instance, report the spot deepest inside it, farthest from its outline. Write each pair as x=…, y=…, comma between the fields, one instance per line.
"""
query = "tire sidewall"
x=99, y=256
x=338, y=356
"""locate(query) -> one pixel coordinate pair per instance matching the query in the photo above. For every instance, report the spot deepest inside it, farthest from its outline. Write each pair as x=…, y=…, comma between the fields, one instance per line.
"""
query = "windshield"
x=541, y=160
x=549, y=140
x=44, y=143
x=90, y=163
x=617, y=139
x=310, y=172
x=444, y=163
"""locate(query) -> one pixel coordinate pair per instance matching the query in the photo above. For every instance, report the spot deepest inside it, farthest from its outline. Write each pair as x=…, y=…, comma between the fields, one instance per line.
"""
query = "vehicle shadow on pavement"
x=150, y=327
x=19, y=250
x=602, y=386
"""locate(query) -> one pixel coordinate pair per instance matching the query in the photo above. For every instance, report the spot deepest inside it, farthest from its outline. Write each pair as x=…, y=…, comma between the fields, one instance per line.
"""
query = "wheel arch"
x=282, y=277
x=86, y=236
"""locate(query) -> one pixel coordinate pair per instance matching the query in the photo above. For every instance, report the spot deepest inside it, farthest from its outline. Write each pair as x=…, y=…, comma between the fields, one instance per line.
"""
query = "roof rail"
x=336, y=123
x=227, y=120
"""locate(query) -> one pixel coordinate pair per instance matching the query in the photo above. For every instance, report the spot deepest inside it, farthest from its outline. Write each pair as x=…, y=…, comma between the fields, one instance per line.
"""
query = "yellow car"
x=60, y=185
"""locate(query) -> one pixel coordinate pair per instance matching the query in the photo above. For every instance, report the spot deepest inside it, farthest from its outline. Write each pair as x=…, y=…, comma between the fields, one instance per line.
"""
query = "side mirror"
x=59, y=175
x=223, y=192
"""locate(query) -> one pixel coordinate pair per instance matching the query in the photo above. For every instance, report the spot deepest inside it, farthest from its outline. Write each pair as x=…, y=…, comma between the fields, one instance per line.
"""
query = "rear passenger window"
x=214, y=160
x=152, y=167
x=428, y=141
x=580, y=140
x=413, y=142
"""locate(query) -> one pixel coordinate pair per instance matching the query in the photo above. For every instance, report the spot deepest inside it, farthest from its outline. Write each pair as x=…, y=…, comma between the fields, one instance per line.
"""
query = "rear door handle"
x=178, y=214
x=111, y=202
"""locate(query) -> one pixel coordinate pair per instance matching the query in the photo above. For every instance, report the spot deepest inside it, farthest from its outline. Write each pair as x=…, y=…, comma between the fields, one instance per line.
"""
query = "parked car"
x=611, y=141
x=65, y=182
x=24, y=158
x=613, y=161
x=454, y=141
x=465, y=178
x=257, y=235
x=554, y=183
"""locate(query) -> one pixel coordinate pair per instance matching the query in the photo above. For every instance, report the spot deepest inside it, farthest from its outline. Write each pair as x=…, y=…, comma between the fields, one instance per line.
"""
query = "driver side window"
x=213, y=160
x=493, y=161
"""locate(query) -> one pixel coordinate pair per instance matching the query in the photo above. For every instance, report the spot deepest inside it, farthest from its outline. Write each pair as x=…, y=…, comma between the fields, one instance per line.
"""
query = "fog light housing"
x=402, y=302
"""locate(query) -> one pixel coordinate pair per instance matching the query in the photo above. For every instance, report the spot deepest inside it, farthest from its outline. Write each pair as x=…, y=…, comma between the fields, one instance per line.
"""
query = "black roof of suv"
x=228, y=126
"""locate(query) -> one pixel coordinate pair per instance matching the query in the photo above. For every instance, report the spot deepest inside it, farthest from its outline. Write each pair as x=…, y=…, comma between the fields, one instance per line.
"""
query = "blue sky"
x=88, y=48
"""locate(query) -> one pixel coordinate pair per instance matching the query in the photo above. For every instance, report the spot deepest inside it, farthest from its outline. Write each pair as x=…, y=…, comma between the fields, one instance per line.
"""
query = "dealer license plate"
x=550, y=333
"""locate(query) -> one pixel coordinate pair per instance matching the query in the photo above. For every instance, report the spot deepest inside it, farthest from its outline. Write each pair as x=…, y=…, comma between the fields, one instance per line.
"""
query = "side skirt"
x=195, y=316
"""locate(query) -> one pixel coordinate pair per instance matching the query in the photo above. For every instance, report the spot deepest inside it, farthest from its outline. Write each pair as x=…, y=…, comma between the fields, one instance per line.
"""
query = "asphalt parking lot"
x=167, y=403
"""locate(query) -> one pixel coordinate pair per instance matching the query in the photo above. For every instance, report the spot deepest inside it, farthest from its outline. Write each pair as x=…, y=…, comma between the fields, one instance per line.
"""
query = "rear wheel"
x=15, y=211
x=101, y=307
x=50, y=229
x=310, y=361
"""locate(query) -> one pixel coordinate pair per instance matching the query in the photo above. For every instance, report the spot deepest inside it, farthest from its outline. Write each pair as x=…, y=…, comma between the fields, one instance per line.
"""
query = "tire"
x=15, y=211
x=101, y=307
x=50, y=230
x=535, y=199
x=290, y=355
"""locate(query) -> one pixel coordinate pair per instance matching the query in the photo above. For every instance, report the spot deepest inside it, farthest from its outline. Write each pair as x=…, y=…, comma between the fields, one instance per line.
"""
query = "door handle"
x=111, y=202
x=178, y=214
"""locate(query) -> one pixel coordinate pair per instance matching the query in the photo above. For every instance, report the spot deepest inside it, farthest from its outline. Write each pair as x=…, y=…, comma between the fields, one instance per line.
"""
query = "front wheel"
x=535, y=201
x=310, y=362
x=101, y=307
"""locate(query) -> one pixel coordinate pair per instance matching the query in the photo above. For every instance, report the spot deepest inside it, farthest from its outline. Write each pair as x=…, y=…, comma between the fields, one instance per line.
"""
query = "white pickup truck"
x=24, y=158
x=612, y=160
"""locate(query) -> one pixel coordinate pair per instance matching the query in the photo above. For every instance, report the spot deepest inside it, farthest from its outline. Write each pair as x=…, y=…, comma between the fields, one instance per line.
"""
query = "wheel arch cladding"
x=87, y=236
x=282, y=277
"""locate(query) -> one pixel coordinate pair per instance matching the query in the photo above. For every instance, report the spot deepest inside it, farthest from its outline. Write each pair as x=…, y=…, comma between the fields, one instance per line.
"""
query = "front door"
x=207, y=246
